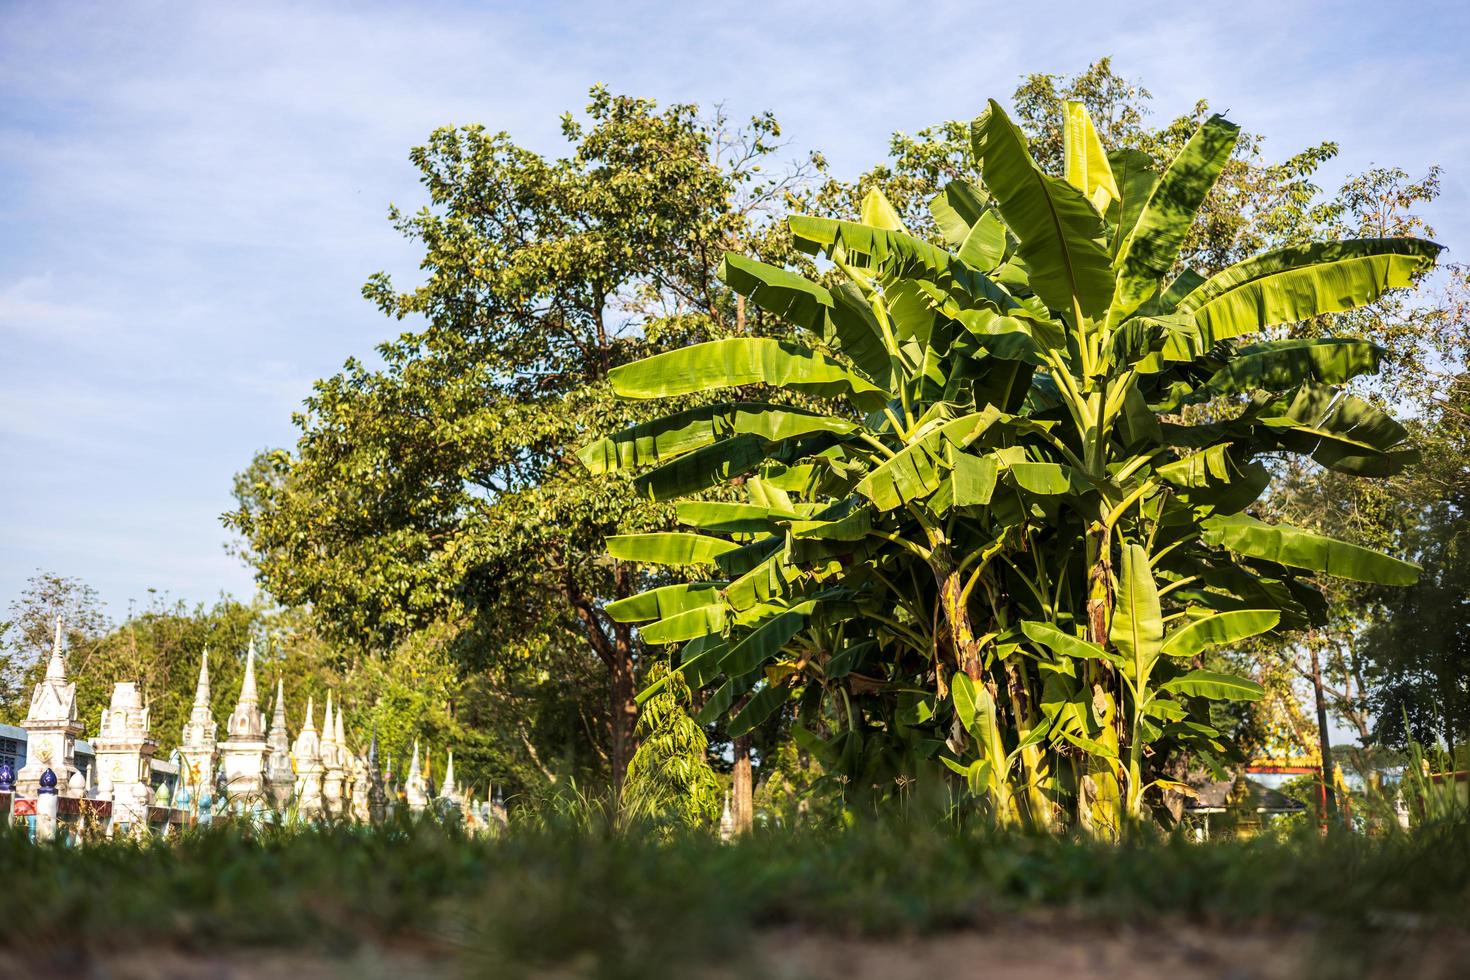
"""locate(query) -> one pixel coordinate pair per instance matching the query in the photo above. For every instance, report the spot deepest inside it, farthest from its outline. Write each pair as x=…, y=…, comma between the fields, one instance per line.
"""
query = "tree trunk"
x=623, y=713
x=742, y=785
x=1327, y=795
x=1099, y=793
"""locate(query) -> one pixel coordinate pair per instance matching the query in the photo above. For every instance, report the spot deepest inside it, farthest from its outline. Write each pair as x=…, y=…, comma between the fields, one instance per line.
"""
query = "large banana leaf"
x=1153, y=245
x=1220, y=628
x=956, y=209
x=1281, y=364
x=674, y=435
x=764, y=703
x=668, y=548
x=763, y=643
x=1245, y=535
x=917, y=470
x=687, y=625
x=743, y=361
x=1216, y=687
x=1296, y=283
x=703, y=468
x=732, y=518
x=839, y=318
x=1138, y=622
x=1301, y=258
x=1340, y=431
x=1057, y=227
x=661, y=603
x=1084, y=161
x=1135, y=177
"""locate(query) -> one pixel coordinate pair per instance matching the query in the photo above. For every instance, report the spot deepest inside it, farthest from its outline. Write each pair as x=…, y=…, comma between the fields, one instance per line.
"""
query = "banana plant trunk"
x=1099, y=793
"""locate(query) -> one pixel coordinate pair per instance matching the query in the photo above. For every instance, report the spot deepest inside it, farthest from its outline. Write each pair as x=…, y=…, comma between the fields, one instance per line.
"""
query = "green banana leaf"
x=688, y=625
x=668, y=548
x=1250, y=300
x=1281, y=364
x=839, y=318
x=763, y=643
x=915, y=472
x=663, y=602
x=1220, y=628
x=1302, y=258
x=1057, y=227
x=1135, y=175
x=743, y=361
x=1295, y=548
x=674, y=435
x=733, y=518
x=1216, y=687
x=1064, y=644
x=1152, y=247
x=956, y=209
x=704, y=468
x=1137, y=629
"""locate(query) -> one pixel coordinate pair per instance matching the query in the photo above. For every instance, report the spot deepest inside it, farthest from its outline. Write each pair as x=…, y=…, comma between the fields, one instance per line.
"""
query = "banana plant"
x=1022, y=514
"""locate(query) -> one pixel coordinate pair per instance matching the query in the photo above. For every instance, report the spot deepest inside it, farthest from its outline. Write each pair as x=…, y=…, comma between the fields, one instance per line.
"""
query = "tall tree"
x=442, y=483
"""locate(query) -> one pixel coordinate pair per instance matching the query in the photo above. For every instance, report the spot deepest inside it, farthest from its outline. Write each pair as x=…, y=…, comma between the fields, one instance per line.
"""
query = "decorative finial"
x=56, y=667
x=48, y=782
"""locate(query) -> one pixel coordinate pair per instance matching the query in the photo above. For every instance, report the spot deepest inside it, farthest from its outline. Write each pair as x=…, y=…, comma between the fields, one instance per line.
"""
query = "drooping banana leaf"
x=704, y=468
x=1286, y=286
x=664, y=439
x=1340, y=431
x=687, y=625
x=1281, y=364
x=1295, y=548
x=1220, y=628
x=956, y=209
x=764, y=703
x=668, y=548
x=1153, y=245
x=1057, y=227
x=763, y=643
x=838, y=317
x=1302, y=258
x=743, y=361
x=1216, y=687
x=668, y=600
x=916, y=471
x=732, y=518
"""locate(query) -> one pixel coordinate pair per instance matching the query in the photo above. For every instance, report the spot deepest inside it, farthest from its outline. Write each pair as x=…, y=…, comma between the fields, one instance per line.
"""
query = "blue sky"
x=191, y=195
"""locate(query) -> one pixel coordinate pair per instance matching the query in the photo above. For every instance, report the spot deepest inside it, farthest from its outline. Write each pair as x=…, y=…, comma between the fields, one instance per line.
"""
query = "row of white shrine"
x=255, y=768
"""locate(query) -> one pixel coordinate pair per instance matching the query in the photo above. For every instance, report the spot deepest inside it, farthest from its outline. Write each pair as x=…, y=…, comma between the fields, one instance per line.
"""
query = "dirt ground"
x=1023, y=951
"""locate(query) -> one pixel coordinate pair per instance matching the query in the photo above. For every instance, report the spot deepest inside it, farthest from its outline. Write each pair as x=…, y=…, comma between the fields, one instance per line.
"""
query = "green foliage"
x=1014, y=532
x=670, y=782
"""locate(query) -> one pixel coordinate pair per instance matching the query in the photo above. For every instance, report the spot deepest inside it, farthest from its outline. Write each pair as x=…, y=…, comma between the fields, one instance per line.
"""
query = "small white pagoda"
x=199, y=750
x=244, y=752
x=51, y=725
x=125, y=748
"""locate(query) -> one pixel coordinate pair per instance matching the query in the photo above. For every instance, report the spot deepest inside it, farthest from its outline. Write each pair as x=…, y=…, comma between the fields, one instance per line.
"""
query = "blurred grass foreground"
x=884, y=899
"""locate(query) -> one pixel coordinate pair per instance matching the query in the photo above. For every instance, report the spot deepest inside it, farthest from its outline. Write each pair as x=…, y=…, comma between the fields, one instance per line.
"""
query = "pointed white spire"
x=341, y=731
x=56, y=668
x=310, y=725
x=278, y=715
x=247, y=689
x=201, y=690
x=447, y=788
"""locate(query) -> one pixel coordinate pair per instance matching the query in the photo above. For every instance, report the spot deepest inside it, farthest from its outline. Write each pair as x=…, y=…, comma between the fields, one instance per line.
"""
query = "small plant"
x=670, y=782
